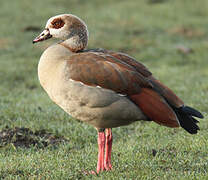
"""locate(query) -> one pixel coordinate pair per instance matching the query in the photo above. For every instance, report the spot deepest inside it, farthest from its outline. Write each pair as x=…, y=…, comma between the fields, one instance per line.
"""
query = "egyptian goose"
x=103, y=88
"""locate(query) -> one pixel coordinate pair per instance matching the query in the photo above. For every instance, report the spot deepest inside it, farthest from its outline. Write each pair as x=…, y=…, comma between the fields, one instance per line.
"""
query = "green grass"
x=148, y=32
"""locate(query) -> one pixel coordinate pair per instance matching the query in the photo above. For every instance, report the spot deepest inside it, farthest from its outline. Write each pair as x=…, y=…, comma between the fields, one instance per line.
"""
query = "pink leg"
x=108, y=145
x=101, y=149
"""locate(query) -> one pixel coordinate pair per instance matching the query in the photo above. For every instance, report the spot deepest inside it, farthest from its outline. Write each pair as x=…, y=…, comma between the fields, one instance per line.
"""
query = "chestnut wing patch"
x=155, y=107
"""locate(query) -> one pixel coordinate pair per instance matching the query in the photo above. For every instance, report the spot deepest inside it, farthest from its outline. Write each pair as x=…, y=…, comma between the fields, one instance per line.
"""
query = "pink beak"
x=43, y=36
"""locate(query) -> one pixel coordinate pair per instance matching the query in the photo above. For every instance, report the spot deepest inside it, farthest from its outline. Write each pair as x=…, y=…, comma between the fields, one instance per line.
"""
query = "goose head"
x=67, y=27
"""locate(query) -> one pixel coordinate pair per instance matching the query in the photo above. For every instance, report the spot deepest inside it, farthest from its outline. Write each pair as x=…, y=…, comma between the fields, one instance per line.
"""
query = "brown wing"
x=131, y=61
x=155, y=107
x=122, y=76
x=160, y=88
x=99, y=69
x=160, y=103
x=166, y=92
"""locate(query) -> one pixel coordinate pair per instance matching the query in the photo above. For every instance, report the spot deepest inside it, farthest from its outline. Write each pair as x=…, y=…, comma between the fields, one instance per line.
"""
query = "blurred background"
x=169, y=37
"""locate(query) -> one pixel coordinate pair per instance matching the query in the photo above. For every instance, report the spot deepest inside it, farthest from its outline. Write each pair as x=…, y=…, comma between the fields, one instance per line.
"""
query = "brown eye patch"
x=57, y=23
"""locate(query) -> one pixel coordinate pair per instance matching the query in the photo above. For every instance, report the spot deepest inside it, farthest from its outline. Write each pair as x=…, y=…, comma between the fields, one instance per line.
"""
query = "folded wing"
x=124, y=76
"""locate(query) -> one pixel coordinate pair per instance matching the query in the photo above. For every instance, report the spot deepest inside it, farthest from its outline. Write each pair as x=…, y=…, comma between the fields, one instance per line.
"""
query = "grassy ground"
x=154, y=33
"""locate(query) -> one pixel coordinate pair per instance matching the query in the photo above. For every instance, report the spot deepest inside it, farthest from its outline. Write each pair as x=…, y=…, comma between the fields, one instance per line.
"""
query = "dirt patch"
x=25, y=138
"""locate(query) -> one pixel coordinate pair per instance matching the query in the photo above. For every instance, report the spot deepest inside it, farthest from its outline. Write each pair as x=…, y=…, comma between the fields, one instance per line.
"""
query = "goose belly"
x=97, y=106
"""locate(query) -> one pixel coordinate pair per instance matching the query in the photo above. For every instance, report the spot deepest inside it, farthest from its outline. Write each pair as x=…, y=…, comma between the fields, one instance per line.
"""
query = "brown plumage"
x=124, y=75
x=99, y=69
x=103, y=88
x=155, y=107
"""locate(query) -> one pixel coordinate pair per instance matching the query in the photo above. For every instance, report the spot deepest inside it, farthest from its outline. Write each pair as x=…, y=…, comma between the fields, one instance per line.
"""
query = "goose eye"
x=57, y=23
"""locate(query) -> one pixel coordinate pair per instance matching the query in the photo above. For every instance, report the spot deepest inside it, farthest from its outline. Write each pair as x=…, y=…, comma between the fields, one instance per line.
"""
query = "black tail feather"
x=192, y=112
x=186, y=120
x=196, y=121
